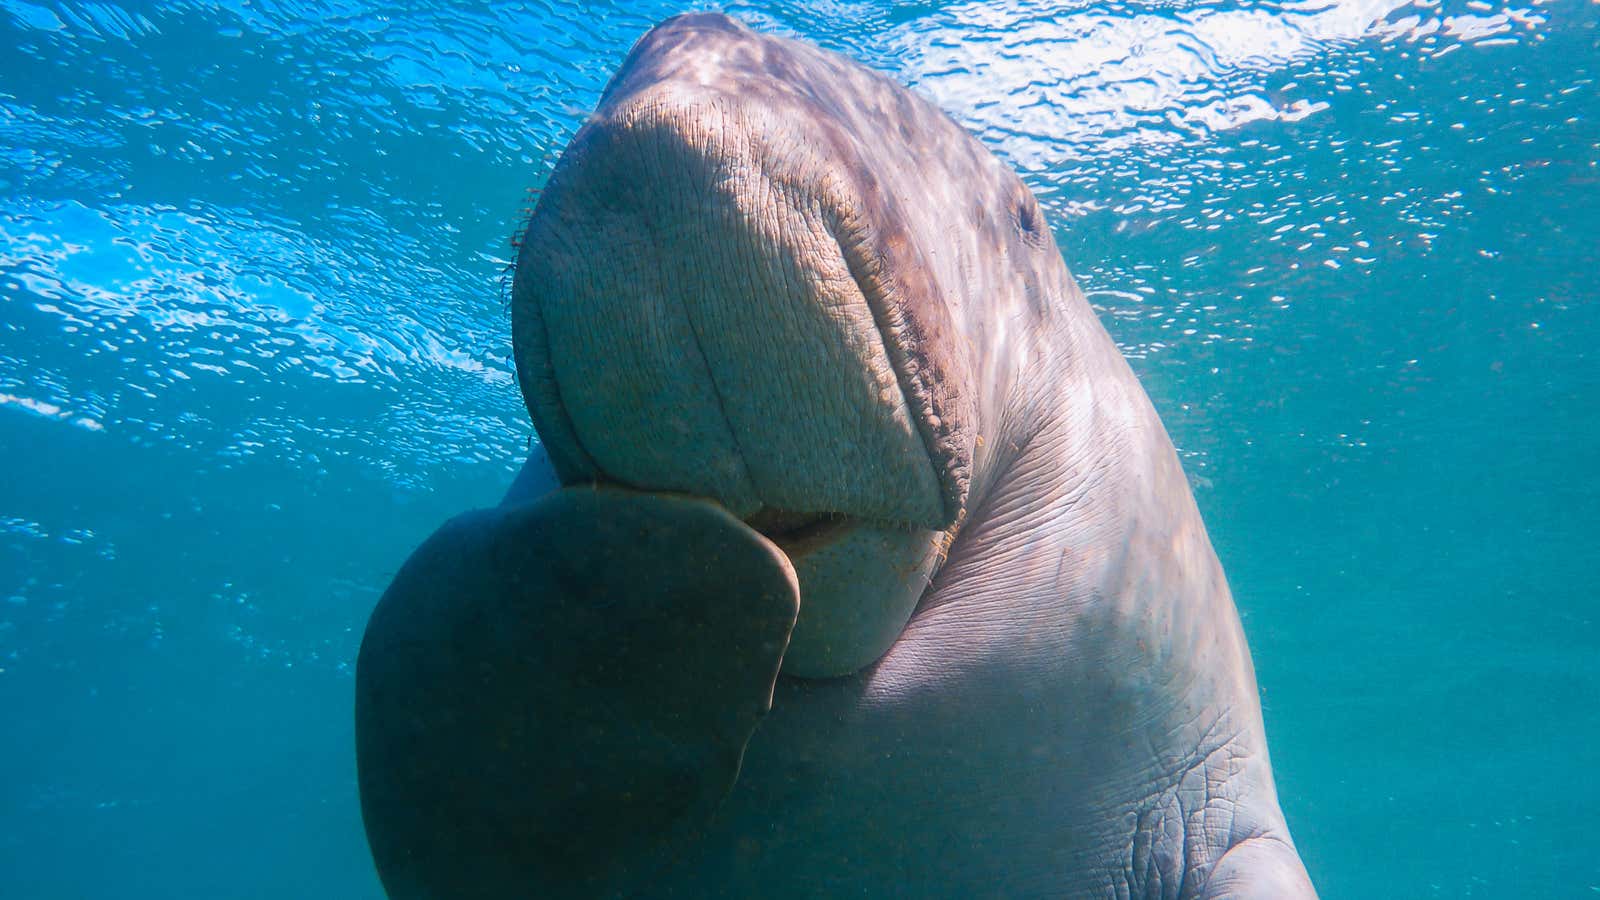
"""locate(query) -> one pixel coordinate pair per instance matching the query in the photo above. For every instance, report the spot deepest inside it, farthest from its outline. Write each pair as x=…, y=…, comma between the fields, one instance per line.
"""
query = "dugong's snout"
x=710, y=300
x=715, y=297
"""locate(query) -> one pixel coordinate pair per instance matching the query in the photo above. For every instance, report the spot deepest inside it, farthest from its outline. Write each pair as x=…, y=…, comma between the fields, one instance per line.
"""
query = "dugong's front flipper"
x=1260, y=869
x=551, y=689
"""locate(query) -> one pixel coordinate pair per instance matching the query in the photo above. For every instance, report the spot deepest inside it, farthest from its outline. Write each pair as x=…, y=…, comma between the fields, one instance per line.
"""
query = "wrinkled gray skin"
x=766, y=276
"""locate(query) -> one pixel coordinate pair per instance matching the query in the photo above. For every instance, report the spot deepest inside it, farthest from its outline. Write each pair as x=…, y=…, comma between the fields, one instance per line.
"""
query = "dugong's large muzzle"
x=695, y=311
x=706, y=303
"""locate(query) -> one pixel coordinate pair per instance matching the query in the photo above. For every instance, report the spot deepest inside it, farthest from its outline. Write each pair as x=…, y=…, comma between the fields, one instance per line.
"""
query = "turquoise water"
x=253, y=348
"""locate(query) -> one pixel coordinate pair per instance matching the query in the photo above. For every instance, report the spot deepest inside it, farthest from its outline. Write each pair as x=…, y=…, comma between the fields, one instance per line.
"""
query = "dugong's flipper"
x=1260, y=869
x=552, y=689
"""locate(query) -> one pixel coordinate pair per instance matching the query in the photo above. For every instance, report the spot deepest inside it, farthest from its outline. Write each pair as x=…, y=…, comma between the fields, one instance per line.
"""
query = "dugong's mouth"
x=777, y=524
x=800, y=533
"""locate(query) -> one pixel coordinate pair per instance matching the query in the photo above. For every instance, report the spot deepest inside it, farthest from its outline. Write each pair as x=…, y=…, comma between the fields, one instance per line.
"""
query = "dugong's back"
x=770, y=279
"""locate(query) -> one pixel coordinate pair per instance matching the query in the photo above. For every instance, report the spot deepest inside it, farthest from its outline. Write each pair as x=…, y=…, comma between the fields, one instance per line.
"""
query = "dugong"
x=870, y=572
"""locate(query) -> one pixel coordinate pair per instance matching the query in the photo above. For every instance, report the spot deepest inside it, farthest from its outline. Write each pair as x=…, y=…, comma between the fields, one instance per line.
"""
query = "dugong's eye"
x=1030, y=220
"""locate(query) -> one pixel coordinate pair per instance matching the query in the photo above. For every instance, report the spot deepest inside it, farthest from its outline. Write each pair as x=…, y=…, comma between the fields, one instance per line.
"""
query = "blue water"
x=253, y=348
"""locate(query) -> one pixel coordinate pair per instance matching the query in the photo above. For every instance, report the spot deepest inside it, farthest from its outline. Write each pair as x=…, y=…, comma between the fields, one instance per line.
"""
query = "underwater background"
x=254, y=347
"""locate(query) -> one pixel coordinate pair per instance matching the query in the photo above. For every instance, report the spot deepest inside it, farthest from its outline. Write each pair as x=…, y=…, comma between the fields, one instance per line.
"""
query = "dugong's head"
x=807, y=332
x=765, y=276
